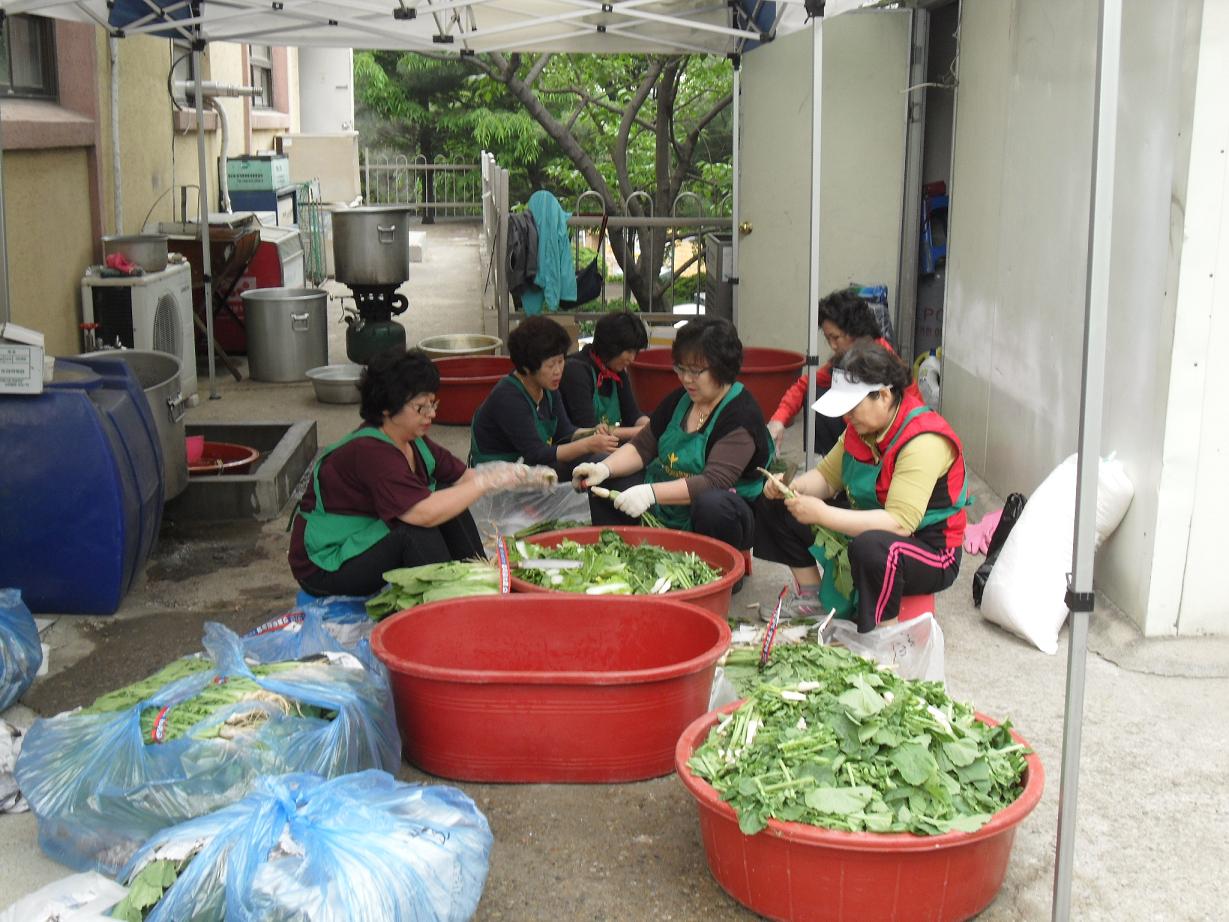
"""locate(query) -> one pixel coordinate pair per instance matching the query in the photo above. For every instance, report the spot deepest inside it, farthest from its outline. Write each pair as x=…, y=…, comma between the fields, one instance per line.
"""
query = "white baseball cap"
x=845, y=394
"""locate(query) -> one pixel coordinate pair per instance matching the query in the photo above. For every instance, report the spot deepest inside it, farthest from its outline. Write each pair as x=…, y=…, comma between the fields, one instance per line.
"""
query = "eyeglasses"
x=425, y=409
x=684, y=371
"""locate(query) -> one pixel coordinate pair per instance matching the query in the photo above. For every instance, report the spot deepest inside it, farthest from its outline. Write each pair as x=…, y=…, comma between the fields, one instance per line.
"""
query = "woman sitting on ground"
x=694, y=463
x=902, y=467
x=523, y=418
x=844, y=319
x=595, y=388
x=386, y=496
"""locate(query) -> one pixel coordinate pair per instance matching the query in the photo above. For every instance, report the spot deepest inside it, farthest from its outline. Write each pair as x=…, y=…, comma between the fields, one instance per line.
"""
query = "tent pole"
x=5, y=314
x=1096, y=310
x=735, y=209
x=812, y=359
x=203, y=203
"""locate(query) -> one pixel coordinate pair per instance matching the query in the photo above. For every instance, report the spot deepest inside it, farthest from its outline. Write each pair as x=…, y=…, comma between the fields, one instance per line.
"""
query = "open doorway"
x=928, y=190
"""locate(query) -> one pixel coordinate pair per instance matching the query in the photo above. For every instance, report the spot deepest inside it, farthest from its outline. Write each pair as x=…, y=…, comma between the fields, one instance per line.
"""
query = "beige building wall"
x=59, y=177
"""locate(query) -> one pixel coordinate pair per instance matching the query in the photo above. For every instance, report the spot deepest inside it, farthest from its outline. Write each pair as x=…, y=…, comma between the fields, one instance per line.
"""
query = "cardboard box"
x=257, y=174
x=21, y=360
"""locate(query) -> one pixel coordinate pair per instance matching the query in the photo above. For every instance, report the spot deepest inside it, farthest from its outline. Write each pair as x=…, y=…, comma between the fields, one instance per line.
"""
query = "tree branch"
x=590, y=100
x=630, y=117
x=687, y=149
x=536, y=71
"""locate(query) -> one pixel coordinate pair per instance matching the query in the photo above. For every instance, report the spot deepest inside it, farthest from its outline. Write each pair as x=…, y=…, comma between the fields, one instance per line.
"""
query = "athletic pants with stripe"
x=885, y=566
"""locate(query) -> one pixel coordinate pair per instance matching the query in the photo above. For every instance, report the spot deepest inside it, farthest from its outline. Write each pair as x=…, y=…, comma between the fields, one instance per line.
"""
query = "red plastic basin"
x=766, y=373
x=465, y=382
x=714, y=596
x=536, y=688
x=219, y=458
x=802, y=873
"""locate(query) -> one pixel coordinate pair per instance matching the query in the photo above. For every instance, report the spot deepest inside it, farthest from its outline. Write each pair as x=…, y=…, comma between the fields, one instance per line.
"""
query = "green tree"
x=611, y=123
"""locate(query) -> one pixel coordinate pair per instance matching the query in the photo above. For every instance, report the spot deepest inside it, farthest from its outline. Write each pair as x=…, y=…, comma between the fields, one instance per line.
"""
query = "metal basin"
x=336, y=383
x=454, y=344
x=149, y=251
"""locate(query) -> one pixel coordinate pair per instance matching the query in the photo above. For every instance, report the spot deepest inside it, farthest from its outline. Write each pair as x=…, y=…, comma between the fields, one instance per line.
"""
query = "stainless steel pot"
x=149, y=251
x=286, y=333
x=158, y=374
x=371, y=246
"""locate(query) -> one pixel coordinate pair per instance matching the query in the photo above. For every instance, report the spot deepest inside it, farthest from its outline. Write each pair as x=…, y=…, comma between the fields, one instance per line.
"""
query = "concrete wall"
x=1013, y=342
x=1187, y=594
x=865, y=62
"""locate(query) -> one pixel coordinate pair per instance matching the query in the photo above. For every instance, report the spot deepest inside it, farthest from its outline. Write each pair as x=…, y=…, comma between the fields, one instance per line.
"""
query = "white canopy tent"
x=655, y=26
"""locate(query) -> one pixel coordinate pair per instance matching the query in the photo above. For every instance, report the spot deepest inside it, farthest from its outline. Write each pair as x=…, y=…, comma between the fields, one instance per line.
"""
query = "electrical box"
x=257, y=174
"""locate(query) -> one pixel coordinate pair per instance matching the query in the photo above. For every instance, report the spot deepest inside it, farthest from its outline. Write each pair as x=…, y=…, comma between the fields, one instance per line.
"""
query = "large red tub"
x=802, y=873
x=539, y=688
x=465, y=382
x=714, y=596
x=766, y=373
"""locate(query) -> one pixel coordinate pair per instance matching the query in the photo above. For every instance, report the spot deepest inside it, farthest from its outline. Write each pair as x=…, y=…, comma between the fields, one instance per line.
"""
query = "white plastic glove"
x=635, y=501
x=589, y=474
x=496, y=476
x=776, y=429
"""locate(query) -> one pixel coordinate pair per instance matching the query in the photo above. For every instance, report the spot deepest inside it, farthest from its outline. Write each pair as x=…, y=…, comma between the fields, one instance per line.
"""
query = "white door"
x=865, y=71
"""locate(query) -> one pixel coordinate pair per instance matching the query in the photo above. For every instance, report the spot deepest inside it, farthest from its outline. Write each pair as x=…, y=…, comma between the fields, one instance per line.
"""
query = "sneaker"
x=796, y=605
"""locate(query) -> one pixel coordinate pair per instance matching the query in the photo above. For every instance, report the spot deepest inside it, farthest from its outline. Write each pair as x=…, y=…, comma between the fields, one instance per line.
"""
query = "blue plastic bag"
x=360, y=848
x=99, y=789
x=317, y=627
x=21, y=654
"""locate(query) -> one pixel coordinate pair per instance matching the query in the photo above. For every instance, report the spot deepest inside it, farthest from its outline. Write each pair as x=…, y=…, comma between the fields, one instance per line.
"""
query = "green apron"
x=546, y=431
x=606, y=409
x=860, y=479
x=332, y=538
x=682, y=454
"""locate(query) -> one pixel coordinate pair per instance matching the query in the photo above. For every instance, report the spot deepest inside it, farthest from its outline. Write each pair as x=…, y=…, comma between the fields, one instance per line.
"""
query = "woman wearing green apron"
x=386, y=496
x=902, y=469
x=694, y=462
x=523, y=418
x=595, y=389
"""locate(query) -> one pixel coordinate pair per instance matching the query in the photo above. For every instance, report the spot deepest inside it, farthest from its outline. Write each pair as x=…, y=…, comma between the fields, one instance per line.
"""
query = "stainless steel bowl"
x=454, y=344
x=149, y=251
x=336, y=383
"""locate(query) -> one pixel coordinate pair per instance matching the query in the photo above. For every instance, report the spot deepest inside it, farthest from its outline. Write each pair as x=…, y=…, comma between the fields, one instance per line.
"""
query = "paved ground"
x=1152, y=802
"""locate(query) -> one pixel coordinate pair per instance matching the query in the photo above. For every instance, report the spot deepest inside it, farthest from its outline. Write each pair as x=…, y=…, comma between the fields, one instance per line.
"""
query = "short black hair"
x=851, y=314
x=716, y=339
x=869, y=362
x=616, y=333
x=393, y=378
x=535, y=340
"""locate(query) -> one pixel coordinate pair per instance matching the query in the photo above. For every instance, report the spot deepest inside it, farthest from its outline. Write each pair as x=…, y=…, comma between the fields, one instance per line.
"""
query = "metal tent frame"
x=657, y=26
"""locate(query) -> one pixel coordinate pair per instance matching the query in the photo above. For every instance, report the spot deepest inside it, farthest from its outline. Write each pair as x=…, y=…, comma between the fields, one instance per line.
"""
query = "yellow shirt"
x=919, y=465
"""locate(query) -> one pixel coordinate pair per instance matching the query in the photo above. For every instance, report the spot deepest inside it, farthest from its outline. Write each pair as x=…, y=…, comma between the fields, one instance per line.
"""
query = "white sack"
x=1027, y=586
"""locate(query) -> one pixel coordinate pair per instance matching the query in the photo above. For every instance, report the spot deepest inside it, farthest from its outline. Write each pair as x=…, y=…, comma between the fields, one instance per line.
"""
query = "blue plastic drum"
x=81, y=489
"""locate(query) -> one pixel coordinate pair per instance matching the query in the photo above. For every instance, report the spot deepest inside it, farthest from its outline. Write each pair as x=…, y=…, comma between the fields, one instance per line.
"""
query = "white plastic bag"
x=76, y=898
x=914, y=647
x=1027, y=587
x=504, y=513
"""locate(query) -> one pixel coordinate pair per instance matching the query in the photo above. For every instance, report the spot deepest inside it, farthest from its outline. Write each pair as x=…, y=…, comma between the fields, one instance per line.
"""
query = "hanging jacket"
x=555, y=280
x=522, y=251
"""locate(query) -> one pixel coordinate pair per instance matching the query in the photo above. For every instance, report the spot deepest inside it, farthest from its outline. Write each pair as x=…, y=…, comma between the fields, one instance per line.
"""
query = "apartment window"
x=27, y=57
x=260, y=61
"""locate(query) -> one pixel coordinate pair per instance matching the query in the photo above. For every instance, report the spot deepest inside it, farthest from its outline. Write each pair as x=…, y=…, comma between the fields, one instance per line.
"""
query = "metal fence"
x=443, y=188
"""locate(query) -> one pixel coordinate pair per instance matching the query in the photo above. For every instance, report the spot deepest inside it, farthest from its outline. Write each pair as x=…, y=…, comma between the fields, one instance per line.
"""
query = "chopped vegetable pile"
x=410, y=586
x=247, y=704
x=831, y=739
x=613, y=566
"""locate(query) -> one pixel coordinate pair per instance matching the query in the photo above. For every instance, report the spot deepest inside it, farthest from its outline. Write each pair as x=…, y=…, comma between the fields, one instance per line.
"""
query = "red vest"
x=947, y=489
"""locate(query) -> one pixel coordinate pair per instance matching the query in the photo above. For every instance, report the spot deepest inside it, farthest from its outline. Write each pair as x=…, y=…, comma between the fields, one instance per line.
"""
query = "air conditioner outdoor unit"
x=151, y=311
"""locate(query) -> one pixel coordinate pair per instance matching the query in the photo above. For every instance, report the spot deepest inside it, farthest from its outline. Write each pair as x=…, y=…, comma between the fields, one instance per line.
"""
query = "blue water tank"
x=81, y=489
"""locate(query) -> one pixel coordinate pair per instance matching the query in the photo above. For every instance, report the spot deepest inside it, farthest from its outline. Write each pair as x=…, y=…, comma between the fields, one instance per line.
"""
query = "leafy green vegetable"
x=547, y=525
x=613, y=566
x=829, y=738
x=410, y=586
x=836, y=547
x=147, y=888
